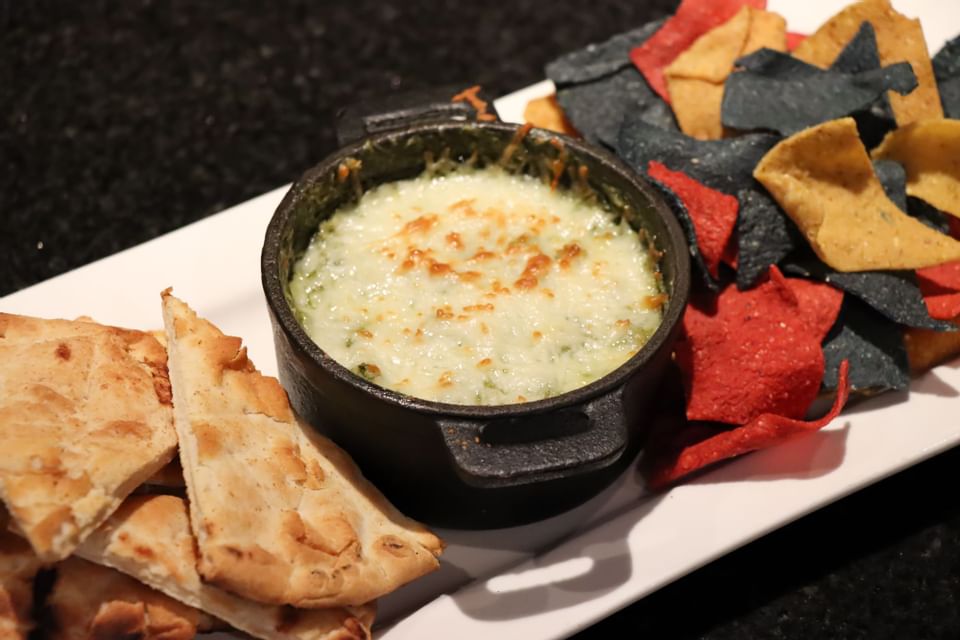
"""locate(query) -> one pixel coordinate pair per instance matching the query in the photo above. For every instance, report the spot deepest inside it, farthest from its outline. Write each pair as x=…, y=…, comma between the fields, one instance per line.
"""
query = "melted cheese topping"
x=477, y=287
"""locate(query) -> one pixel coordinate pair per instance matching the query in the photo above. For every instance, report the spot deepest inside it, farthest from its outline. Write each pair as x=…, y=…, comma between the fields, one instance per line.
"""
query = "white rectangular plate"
x=603, y=555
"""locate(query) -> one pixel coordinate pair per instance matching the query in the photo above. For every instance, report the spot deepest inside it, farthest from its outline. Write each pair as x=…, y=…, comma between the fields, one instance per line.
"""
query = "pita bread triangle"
x=85, y=417
x=89, y=601
x=149, y=538
x=281, y=514
x=18, y=567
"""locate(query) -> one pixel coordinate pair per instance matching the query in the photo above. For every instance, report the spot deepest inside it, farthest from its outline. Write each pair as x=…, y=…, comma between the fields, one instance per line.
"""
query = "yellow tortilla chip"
x=767, y=30
x=696, y=105
x=712, y=55
x=695, y=79
x=926, y=349
x=898, y=39
x=545, y=113
x=930, y=152
x=823, y=179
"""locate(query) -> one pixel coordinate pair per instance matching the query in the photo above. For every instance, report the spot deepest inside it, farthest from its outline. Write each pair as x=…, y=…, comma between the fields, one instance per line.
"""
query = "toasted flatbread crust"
x=85, y=417
x=149, y=538
x=18, y=567
x=90, y=602
x=170, y=476
x=281, y=514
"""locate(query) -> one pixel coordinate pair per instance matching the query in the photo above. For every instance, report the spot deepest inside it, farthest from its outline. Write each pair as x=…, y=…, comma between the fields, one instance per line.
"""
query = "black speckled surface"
x=124, y=120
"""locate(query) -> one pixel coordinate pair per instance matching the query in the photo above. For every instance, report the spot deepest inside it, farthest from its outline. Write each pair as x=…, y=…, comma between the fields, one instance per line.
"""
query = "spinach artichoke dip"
x=477, y=287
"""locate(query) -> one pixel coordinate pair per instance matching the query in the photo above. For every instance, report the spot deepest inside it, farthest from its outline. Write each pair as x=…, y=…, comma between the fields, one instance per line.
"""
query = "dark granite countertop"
x=125, y=120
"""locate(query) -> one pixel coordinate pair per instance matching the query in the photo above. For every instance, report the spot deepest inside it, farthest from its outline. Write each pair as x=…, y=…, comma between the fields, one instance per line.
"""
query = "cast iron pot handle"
x=399, y=110
x=583, y=438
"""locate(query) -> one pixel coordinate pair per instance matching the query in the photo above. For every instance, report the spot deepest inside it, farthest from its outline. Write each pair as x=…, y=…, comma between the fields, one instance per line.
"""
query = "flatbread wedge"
x=18, y=567
x=90, y=602
x=281, y=514
x=149, y=538
x=85, y=417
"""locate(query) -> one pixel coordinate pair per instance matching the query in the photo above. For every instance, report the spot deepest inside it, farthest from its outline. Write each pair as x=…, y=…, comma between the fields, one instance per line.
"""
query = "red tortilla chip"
x=941, y=278
x=756, y=351
x=692, y=19
x=714, y=214
x=944, y=306
x=793, y=39
x=764, y=431
x=940, y=286
x=819, y=304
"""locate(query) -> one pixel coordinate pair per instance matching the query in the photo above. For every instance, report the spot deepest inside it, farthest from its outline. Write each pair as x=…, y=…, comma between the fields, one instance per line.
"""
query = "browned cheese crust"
x=90, y=602
x=149, y=538
x=281, y=515
x=18, y=567
x=85, y=417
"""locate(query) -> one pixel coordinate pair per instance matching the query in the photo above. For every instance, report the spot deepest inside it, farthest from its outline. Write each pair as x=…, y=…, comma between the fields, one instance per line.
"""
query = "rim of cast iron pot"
x=276, y=298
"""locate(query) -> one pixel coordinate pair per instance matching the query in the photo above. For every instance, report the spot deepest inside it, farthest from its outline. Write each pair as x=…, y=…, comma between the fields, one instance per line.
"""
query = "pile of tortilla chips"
x=818, y=180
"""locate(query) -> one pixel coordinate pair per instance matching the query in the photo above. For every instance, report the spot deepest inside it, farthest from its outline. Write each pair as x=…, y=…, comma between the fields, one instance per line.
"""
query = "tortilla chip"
x=946, y=68
x=768, y=30
x=712, y=55
x=679, y=209
x=899, y=39
x=930, y=152
x=600, y=59
x=712, y=213
x=932, y=217
x=927, y=349
x=597, y=108
x=894, y=294
x=695, y=79
x=940, y=286
x=757, y=351
x=764, y=237
x=873, y=346
x=775, y=92
x=823, y=180
x=860, y=54
x=794, y=40
x=692, y=19
x=710, y=447
x=725, y=165
x=696, y=105
x=598, y=85
x=893, y=179
x=545, y=113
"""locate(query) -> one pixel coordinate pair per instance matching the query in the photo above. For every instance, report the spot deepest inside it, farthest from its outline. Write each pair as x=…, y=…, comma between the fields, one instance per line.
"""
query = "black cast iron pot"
x=474, y=466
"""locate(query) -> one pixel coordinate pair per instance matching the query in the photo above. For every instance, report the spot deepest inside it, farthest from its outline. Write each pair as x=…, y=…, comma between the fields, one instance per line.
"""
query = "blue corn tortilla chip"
x=893, y=179
x=657, y=113
x=771, y=92
x=598, y=85
x=928, y=214
x=946, y=69
x=600, y=59
x=683, y=217
x=725, y=165
x=874, y=347
x=596, y=109
x=861, y=54
x=893, y=294
x=765, y=236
